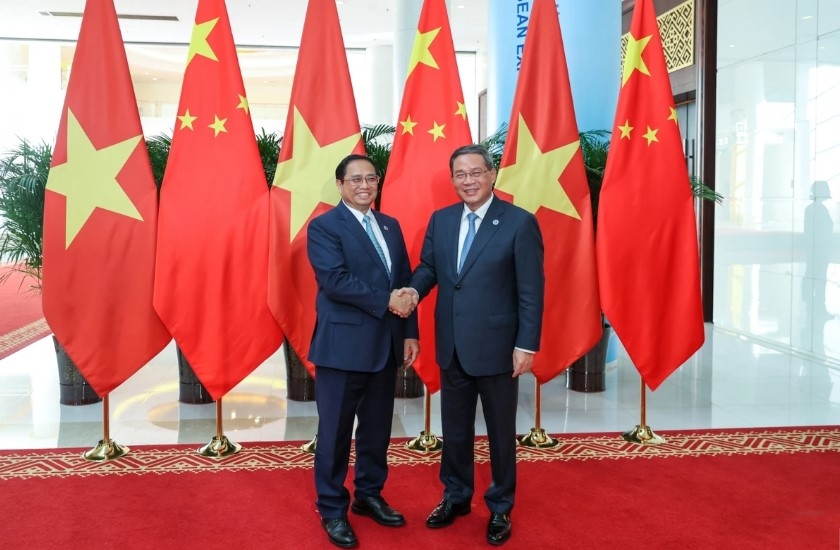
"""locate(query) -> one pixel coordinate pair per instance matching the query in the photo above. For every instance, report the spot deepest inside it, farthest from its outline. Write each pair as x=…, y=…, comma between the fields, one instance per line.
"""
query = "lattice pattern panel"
x=287, y=456
x=676, y=28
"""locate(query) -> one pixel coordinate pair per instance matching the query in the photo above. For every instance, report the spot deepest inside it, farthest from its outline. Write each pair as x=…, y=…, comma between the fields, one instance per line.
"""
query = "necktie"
x=375, y=242
x=471, y=217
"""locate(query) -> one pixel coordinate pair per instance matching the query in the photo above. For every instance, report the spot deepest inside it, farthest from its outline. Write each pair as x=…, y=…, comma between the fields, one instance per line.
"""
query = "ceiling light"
x=136, y=17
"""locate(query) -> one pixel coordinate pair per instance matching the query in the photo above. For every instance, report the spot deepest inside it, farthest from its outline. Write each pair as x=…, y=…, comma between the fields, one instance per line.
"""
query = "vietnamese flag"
x=542, y=171
x=100, y=215
x=212, y=256
x=432, y=124
x=647, y=252
x=322, y=128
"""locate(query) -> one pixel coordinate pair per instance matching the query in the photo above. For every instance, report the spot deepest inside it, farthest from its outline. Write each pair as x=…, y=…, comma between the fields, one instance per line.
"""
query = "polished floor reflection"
x=731, y=382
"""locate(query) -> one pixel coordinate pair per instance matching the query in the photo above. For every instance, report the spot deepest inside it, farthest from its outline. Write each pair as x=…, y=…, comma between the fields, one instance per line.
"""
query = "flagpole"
x=642, y=434
x=106, y=449
x=537, y=437
x=426, y=442
x=220, y=446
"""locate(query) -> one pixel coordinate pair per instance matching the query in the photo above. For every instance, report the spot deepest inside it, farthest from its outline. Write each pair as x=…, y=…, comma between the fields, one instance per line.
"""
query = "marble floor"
x=731, y=382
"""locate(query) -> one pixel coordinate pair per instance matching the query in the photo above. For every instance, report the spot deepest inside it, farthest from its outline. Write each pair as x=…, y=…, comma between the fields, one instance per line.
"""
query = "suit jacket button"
x=457, y=287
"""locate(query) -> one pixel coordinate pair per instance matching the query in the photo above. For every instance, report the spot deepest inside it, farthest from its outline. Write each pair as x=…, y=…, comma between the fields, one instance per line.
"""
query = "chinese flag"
x=322, y=128
x=100, y=215
x=432, y=124
x=647, y=242
x=212, y=256
x=542, y=171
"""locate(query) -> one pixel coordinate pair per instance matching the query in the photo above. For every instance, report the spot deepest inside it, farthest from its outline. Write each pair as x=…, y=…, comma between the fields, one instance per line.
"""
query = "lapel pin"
x=495, y=222
x=384, y=228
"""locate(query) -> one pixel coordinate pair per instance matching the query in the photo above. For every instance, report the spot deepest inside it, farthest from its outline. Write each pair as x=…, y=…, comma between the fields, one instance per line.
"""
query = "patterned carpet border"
x=287, y=456
x=18, y=338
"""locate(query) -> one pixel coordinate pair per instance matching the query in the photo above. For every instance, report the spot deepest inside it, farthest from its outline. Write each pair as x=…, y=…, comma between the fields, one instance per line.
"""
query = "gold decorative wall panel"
x=676, y=27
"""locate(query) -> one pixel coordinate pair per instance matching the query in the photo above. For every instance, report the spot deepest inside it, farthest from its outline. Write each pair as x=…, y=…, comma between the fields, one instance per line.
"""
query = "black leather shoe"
x=340, y=533
x=498, y=530
x=378, y=509
x=446, y=512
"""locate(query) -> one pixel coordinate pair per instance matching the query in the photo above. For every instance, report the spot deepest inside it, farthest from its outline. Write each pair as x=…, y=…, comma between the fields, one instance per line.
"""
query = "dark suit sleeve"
x=338, y=284
x=424, y=278
x=530, y=283
x=403, y=268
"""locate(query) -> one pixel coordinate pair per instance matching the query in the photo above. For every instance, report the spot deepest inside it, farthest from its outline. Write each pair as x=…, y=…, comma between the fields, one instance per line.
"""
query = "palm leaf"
x=23, y=180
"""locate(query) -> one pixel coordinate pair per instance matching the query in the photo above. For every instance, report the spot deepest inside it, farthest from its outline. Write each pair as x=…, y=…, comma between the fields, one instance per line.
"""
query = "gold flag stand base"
x=220, y=446
x=425, y=443
x=310, y=447
x=643, y=435
x=537, y=438
x=106, y=450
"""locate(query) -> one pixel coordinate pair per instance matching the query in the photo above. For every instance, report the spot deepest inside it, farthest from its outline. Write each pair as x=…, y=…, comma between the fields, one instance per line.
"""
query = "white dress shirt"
x=376, y=231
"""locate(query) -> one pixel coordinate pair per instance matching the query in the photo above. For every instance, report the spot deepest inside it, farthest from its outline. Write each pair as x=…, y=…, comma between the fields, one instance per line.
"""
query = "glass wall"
x=777, y=241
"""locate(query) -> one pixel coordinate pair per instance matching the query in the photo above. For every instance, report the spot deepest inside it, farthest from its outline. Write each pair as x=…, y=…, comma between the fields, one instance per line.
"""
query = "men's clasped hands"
x=403, y=302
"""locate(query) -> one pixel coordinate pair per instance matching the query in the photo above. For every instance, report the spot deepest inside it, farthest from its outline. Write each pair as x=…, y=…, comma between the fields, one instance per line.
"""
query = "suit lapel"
x=389, y=236
x=355, y=228
x=452, y=226
x=489, y=225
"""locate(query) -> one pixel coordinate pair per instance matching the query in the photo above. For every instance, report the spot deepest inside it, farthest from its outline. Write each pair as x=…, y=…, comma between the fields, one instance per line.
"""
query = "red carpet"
x=22, y=320
x=713, y=489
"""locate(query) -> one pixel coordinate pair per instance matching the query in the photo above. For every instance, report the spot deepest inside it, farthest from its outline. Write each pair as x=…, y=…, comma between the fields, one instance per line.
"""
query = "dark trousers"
x=341, y=397
x=459, y=394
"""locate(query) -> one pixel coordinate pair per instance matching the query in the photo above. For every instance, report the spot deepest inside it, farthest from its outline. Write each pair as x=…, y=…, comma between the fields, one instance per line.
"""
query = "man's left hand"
x=522, y=362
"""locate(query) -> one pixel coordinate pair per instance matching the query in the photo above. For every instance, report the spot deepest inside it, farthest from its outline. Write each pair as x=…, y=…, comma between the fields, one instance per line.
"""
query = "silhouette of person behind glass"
x=817, y=234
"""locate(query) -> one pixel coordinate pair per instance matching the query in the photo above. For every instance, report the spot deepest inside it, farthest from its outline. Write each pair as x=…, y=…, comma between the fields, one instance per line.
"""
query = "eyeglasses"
x=461, y=177
x=357, y=180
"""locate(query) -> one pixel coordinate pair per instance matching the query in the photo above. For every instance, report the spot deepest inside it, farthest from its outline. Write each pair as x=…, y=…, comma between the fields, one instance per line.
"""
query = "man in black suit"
x=361, y=335
x=486, y=257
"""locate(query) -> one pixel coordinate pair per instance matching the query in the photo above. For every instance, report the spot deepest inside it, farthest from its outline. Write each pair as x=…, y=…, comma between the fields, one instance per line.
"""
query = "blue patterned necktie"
x=471, y=217
x=370, y=233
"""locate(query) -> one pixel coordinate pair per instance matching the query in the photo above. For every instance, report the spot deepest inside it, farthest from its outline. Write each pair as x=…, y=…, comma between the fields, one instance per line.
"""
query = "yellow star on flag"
x=420, y=51
x=408, y=125
x=533, y=178
x=198, y=41
x=625, y=130
x=243, y=104
x=462, y=110
x=673, y=116
x=307, y=175
x=89, y=178
x=186, y=120
x=633, y=59
x=650, y=135
x=437, y=130
x=218, y=125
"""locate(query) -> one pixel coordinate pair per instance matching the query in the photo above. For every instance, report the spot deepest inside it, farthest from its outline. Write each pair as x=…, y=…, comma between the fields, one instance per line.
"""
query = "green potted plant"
x=23, y=180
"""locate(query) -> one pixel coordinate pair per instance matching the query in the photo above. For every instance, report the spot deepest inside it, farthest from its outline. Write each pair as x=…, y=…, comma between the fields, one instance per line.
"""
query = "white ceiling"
x=254, y=22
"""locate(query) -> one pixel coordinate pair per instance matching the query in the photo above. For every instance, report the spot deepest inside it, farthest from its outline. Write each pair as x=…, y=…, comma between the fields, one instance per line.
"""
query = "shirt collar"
x=358, y=214
x=482, y=210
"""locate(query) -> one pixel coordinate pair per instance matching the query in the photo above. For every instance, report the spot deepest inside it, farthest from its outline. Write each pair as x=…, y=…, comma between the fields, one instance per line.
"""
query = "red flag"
x=100, y=215
x=322, y=128
x=432, y=124
x=212, y=258
x=647, y=242
x=542, y=170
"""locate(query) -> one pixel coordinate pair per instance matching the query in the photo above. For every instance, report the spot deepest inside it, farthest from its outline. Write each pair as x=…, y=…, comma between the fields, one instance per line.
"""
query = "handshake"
x=403, y=302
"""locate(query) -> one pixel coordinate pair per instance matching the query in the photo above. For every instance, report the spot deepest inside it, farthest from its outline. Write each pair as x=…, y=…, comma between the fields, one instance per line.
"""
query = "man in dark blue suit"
x=363, y=332
x=486, y=257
